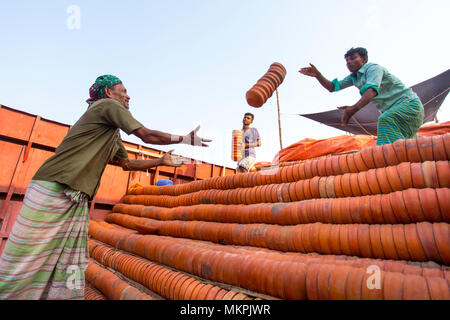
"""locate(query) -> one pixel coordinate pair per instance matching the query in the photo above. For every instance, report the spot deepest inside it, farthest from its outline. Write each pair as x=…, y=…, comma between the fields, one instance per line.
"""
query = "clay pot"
x=439, y=153
x=354, y=185
x=364, y=183
x=338, y=187
x=398, y=206
x=389, y=155
x=425, y=145
x=383, y=180
x=427, y=241
x=323, y=283
x=312, y=290
x=399, y=147
x=442, y=239
x=444, y=204
x=401, y=247
x=338, y=282
x=413, y=206
x=417, y=175
x=415, y=288
x=412, y=241
x=344, y=240
x=378, y=157
x=346, y=186
x=412, y=150
x=255, y=98
x=393, y=286
x=336, y=169
x=387, y=242
x=394, y=179
x=438, y=288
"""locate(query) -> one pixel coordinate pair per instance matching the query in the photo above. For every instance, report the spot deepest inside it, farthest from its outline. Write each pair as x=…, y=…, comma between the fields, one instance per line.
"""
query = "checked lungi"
x=46, y=254
x=401, y=121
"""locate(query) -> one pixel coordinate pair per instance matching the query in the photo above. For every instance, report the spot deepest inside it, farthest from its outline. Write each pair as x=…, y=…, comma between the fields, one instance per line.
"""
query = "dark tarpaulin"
x=431, y=92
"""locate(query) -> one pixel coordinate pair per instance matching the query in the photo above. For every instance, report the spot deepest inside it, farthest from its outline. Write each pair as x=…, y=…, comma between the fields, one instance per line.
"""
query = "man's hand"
x=172, y=161
x=310, y=71
x=194, y=140
x=349, y=111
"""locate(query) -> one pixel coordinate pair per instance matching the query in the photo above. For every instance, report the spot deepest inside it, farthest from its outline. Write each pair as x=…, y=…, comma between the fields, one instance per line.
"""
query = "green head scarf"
x=97, y=90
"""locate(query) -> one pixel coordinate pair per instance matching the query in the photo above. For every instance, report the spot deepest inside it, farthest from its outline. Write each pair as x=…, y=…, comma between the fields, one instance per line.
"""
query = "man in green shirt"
x=401, y=109
x=46, y=254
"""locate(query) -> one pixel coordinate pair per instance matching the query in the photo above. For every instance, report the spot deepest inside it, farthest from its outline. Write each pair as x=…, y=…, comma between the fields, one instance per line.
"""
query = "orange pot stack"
x=236, y=145
x=266, y=86
x=319, y=229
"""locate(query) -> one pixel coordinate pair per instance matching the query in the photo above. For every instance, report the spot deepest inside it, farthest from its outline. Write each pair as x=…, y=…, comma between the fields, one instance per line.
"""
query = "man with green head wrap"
x=46, y=254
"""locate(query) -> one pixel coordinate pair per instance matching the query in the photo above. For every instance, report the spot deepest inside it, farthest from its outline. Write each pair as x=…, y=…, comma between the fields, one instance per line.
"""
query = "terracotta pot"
x=367, y=157
x=336, y=169
x=338, y=192
x=338, y=282
x=359, y=162
x=412, y=150
x=344, y=240
x=255, y=98
x=383, y=180
x=321, y=169
x=439, y=153
x=354, y=185
x=417, y=175
x=364, y=183
x=306, y=238
x=322, y=187
x=264, y=86
x=312, y=290
x=438, y=288
x=425, y=145
x=387, y=242
x=389, y=155
x=399, y=147
x=443, y=172
x=401, y=247
x=398, y=207
x=378, y=157
x=393, y=286
x=427, y=241
x=323, y=283
x=324, y=238
x=413, y=206
x=444, y=204
x=442, y=240
x=351, y=163
x=308, y=169
x=353, y=240
x=295, y=282
x=415, y=288
x=394, y=178
x=334, y=240
x=329, y=166
x=415, y=248
x=346, y=214
x=430, y=174
x=314, y=168
x=346, y=186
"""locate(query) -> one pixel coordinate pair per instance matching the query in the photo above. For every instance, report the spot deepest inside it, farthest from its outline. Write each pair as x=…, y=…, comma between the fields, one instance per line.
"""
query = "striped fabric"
x=401, y=121
x=47, y=254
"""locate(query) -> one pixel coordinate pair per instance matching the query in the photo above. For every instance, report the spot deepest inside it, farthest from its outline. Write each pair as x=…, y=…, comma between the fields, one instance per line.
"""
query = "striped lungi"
x=401, y=121
x=46, y=254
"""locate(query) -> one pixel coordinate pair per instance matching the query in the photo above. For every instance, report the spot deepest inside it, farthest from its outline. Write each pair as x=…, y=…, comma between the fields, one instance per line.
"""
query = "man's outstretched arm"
x=162, y=138
x=142, y=165
x=313, y=72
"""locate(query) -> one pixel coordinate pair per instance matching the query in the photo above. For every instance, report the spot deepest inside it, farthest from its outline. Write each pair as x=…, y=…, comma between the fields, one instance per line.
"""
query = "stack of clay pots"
x=319, y=229
x=266, y=86
x=236, y=145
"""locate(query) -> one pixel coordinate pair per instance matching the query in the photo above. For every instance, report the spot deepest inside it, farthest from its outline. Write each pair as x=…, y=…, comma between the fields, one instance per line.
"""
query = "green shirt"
x=94, y=140
x=390, y=90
